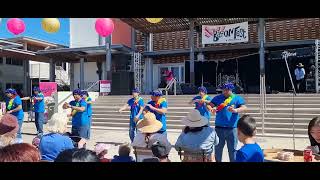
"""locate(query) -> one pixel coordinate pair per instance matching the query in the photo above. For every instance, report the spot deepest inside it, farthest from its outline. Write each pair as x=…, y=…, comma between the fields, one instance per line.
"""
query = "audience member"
x=21, y=152
x=54, y=142
x=77, y=155
x=8, y=129
x=197, y=140
x=101, y=150
x=124, y=154
x=250, y=151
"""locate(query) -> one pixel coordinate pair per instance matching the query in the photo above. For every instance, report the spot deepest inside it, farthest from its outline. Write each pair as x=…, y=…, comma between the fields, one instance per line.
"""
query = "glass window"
x=182, y=73
x=1, y=60
x=175, y=72
x=12, y=61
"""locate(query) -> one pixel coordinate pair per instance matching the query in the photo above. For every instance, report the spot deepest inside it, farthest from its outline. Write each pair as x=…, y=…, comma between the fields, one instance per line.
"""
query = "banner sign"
x=297, y=53
x=229, y=33
x=48, y=88
x=105, y=86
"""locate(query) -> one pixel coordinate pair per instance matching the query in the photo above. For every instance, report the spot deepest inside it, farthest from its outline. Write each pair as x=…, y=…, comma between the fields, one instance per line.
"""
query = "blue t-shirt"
x=89, y=107
x=52, y=144
x=161, y=117
x=80, y=118
x=16, y=102
x=225, y=118
x=122, y=159
x=38, y=106
x=202, y=108
x=134, y=109
x=250, y=153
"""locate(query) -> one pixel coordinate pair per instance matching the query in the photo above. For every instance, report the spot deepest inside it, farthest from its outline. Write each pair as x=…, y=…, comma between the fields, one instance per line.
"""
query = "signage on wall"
x=293, y=53
x=105, y=86
x=48, y=88
x=229, y=33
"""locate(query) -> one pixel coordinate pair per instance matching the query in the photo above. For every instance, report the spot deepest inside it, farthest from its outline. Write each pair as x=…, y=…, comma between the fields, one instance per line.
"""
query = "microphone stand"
x=285, y=55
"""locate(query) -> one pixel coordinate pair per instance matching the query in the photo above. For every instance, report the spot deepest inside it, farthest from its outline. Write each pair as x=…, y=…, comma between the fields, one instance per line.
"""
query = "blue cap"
x=135, y=90
x=84, y=93
x=202, y=89
x=36, y=89
x=156, y=93
x=229, y=86
x=11, y=91
x=77, y=92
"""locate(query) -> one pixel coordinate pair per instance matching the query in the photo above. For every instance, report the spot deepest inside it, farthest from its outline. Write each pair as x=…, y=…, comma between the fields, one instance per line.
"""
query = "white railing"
x=171, y=83
x=62, y=76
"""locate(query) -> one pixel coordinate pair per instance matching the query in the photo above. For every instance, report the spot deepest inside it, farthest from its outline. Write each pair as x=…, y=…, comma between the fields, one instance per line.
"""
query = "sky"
x=34, y=30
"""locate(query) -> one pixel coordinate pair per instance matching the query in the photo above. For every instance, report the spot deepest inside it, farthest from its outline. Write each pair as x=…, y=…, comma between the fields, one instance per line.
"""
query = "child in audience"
x=102, y=151
x=250, y=151
x=124, y=154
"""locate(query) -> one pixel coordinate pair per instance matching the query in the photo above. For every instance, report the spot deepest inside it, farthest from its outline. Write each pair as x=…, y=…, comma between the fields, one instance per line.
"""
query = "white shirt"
x=299, y=73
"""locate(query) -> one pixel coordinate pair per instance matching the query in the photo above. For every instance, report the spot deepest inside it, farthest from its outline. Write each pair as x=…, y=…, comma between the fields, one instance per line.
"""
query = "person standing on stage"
x=158, y=105
x=136, y=105
x=80, y=122
x=85, y=96
x=227, y=107
x=300, y=73
x=201, y=103
x=14, y=107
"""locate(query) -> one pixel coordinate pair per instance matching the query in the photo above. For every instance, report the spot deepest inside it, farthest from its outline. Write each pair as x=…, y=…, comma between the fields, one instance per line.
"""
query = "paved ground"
x=116, y=137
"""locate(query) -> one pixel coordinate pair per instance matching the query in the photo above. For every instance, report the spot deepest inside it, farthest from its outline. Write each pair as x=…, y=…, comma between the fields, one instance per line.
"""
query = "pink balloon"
x=16, y=26
x=104, y=26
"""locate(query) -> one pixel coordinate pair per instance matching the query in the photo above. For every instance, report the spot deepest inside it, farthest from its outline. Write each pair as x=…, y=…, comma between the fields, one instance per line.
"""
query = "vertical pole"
x=26, y=73
x=39, y=74
x=82, y=73
x=108, y=59
x=52, y=71
x=261, y=32
x=191, y=45
x=71, y=76
x=317, y=65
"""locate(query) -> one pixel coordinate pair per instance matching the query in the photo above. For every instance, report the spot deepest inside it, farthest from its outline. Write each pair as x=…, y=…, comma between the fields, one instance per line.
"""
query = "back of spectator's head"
x=159, y=150
x=8, y=129
x=58, y=123
x=77, y=155
x=247, y=125
x=22, y=152
x=124, y=149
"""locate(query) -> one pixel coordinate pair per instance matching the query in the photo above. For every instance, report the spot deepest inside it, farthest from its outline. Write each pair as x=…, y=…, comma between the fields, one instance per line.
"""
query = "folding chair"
x=142, y=153
x=194, y=156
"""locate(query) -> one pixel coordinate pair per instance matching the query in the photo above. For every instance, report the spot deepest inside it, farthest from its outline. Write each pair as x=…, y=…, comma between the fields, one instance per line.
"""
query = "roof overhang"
x=183, y=24
x=221, y=49
x=74, y=54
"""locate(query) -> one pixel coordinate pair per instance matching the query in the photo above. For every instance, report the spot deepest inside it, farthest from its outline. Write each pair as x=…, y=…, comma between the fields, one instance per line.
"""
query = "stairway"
x=278, y=118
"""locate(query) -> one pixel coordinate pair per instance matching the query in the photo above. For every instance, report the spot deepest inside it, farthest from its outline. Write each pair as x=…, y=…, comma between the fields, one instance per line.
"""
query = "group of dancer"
x=81, y=112
x=226, y=107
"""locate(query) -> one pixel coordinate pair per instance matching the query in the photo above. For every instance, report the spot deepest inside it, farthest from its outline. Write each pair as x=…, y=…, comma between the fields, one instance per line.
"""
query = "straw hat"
x=194, y=119
x=300, y=65
x=149, y=124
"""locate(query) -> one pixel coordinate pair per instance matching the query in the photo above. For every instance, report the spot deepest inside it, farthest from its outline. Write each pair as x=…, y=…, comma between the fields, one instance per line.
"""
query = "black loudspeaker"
x=122, y=83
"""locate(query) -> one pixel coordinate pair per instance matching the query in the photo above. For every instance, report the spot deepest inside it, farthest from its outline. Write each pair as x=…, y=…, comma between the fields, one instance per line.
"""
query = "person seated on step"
x=55, y=141
x=314, y=137
x=250, y=151
x=8, y=130
x=198, y=140
x=148, y=133
x=124, y=154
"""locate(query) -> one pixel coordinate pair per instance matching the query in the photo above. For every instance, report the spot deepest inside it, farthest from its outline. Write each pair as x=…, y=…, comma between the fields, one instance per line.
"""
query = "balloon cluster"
x=104, y=26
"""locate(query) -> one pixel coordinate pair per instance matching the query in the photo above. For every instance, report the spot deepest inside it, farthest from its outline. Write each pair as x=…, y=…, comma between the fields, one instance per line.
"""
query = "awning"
x=182, y=24
x=90, y=53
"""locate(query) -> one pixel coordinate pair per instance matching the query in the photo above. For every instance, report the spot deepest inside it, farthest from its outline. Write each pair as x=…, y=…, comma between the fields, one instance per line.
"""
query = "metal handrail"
x=169, y=85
